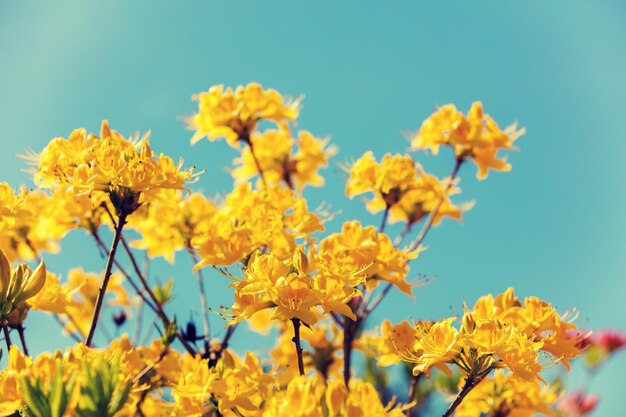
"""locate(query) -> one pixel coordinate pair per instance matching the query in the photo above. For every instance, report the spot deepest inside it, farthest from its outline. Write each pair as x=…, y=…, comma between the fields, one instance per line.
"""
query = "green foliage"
x=163, y=292
x=47, y=403
x=103, y=394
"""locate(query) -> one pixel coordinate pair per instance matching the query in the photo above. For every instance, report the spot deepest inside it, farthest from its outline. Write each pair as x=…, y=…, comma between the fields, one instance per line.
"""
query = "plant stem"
x=349, y=330
x=159, y=309
x=130, y=280
x=412, y=391
x=107, y=275
x=429, y=223
x=383, y=222
x=407, y=229
x=223, y=346
x=256, y=160
x=203, y=302
x=73, y=335
x=296, y=341
x=470, y=383
x=7, y=337
x=20, y=331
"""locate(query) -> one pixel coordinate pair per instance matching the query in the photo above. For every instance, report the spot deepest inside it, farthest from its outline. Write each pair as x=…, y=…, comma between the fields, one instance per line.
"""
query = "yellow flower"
x=126, y=170
x=273, y=149
x=301, y=398
x=361, y=400
x=52, y=298
x=536, y=319
x=505, y=395
x=25, y=237
x=18, y=285
x=234, y=114
x=475, y=136
x=169, y=223
x=359, y=248
x=84, y=288
x=274, y=218
x=12, y=206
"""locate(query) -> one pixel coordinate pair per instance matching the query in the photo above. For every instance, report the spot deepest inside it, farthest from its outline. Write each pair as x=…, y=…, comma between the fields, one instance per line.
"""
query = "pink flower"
x=609, y=340
x=578, y=404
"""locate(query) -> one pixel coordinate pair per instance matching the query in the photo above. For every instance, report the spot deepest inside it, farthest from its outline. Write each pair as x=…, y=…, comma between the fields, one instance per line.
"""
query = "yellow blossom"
x=234, y=114
x=126, y=170
x=505, y=395
x=274, y=151
x=475, y=136
x=359, y=248
x=18, y=285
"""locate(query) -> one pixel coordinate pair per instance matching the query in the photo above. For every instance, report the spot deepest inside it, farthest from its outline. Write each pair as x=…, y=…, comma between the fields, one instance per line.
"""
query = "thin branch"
x=429, y=223
x=383, y=222
x=412, y=390
x=349, y=330
x=470, y=383
x=296, y=341
x=378, y=299
x=223, y=346
x=7, y=337
x=256, y=160
x=73, y=335
x=203, y=301
x=107, y=275
x=160, y=312
x=20, y=332
x=405, y=231
x=159, y=309
x=101, y=245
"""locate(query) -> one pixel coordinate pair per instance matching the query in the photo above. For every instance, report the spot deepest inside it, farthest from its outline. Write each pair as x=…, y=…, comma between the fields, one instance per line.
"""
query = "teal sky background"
x=553, y=227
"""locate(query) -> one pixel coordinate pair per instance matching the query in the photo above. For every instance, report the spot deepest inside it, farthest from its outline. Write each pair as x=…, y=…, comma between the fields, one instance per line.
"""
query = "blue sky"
x=553, y=227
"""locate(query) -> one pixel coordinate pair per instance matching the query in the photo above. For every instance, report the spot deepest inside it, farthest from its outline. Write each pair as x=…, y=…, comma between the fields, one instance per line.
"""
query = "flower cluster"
x=234, y=114
x=401, y=186
x=475, y=136
x=312, y=292
x=125, y=171
x=499, y=332
x=274, y=155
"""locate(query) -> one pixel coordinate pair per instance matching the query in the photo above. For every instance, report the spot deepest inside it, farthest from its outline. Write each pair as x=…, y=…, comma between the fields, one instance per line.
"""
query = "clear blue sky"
x=553, y=227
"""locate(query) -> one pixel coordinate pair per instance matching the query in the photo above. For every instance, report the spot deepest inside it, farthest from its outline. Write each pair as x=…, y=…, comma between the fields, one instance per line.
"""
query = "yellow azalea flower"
x=501, y=332
x=84, y=288
x=232, y=383
x=126, y=170
x=359, y=248
x=12, y=206
x=52, y=298
x=387, y=180
x=302, y=398
x=284, y=360
x=11, y=398
x=274, y=151
x=292, y=288
x=234, y=114
x=475, y=136
x=83, y=211
x=18, y=285
x=392, y=339
x=430, y=193
x=536, y=319
x=273, y=218
x=361, y=400
x=26, y=237
x=505, y=395
x=168, y=224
